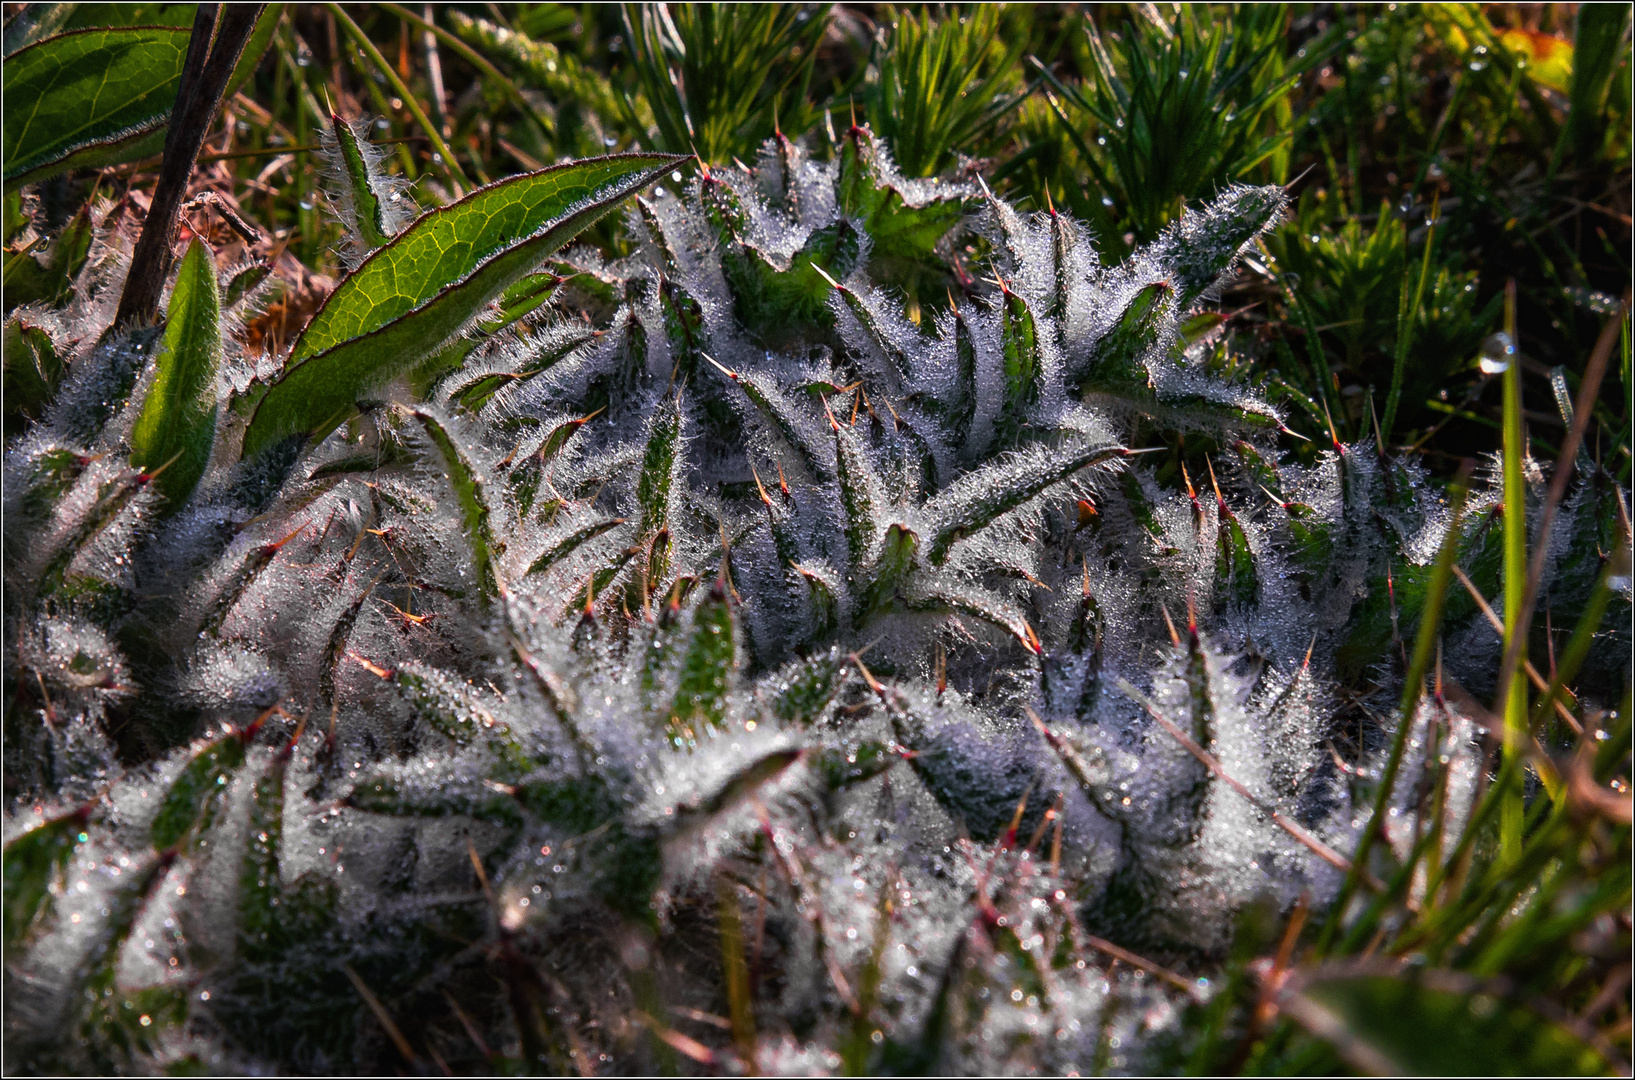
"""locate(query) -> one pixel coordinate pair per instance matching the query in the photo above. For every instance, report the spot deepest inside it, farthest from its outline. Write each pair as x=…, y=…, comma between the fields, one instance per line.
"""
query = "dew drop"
x=1497, y=353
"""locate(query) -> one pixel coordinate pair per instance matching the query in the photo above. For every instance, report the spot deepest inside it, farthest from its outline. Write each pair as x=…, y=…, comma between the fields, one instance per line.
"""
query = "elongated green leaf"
x=979, y=497
x=1024, y=368
x=571, y=543
x=977, y=604
x=196, y=794
x=469, y=490
x=368, y=208
x=899, y=558
x=259, y=886
x=89, y=97
x=707, y=670
x=414, y=294
x=178, y=419
x=859, y=496
x=1236, y=582
x=33, y=862
x=658, y=474
x=32, y=370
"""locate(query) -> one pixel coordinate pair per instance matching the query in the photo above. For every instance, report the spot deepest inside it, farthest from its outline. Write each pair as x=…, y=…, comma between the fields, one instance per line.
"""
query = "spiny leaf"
x=452, y=709
x=1117, y=356
x=32, y=280
x=177, y=423
x=33, y=863
x=112, y=1017
x=33, y=369
x=769, y=399
x=803, y=690
x=383, y=795
x=708, y=670
x=823, y=595
x=1023, y=366
x=941, y=599
x=415, y=293
x=259, y=887
x=1201, y=246
x=364, y=198
x=254, y=564
x=470, y=492
x=859, y=497
x=88, y=98
x=571, y=543
x=979, y=497
x=890, y=573
x=196, y=793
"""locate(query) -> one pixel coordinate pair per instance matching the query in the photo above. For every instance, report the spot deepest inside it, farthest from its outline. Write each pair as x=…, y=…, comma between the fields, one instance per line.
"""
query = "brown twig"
x=204, y=79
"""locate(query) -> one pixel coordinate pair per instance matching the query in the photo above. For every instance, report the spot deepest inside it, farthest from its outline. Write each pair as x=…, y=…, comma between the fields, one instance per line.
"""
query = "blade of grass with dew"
x=1407, y=315
x=1512, y=703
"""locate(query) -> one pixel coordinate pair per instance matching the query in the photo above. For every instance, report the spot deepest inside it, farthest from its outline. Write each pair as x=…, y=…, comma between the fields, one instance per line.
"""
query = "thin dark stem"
x=204, y=79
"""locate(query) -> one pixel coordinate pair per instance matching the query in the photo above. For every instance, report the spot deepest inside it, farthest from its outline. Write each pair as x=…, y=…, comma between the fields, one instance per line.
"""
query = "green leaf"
x=708, y=670
x=859, y=497
x=899, y=558
x=259, y=887
x=33, y=370
x=977, y=498
x=197, y=792
x=470, y=493
x=1201, y=246
x=977, y=604
x=112, y=1016
x=362, y=196
x=805, y=688
x=1023, y=367
x=177, y=423
x=1116, y=365
x=897, y=229
x=843, y=766
x=450, y=707
x=29, y=279
x=571, y=543
x=824, y=600
x=383, y=796
x=1437, y=1023
x=33, y=863
x=88, y=98
x=1236, y=583
x=411, y=296
x=656, y=487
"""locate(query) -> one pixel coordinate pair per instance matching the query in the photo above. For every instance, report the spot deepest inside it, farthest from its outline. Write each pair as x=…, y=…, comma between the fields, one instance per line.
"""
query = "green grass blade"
x=1514, y=697
x=1407, y=315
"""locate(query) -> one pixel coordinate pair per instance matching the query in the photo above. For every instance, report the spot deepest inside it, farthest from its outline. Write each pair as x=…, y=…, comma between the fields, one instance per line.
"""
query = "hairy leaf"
x=414, y=294
x=177, y=423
